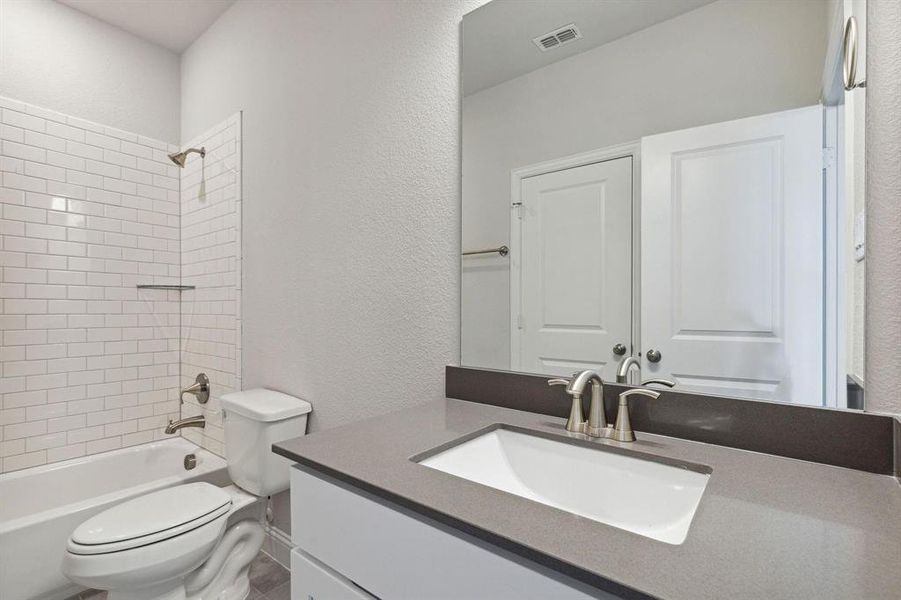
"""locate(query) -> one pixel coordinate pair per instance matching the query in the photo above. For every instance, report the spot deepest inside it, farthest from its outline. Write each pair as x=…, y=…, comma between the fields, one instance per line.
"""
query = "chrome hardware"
x=596, y=425
x=200, y=388
x=179, y=158
x=654, y=356
x=659, y=381
x=849, y=56
x=176, y=288
x=190, y=461
x=575, y=423
x=502, y=250
x=619, y=349
x=622, y=372
x=174, y=426
x=622, y=431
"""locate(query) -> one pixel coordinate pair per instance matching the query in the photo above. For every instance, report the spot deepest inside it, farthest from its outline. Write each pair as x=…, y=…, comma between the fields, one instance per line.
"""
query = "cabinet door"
x=396, y=554
x=312, y=580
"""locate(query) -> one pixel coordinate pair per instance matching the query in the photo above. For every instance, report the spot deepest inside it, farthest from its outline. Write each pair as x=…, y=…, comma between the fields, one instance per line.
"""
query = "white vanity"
x=351, y=544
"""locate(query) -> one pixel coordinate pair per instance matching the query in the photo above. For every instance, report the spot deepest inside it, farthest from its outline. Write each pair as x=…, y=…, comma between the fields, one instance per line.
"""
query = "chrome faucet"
x=630, y=362
x=596, y=425
x=174, y=426
x=622, y=373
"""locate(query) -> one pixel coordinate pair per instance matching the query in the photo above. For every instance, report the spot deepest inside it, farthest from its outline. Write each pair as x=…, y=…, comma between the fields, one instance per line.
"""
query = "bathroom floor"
x=268, y=581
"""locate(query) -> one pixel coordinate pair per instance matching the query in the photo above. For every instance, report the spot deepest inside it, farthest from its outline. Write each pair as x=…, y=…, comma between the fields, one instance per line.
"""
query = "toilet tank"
x=253, y=421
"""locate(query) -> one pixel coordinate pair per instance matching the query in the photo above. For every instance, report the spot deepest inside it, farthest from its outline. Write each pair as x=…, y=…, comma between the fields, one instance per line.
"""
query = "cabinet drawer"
x=312, y=580
x=395, y=553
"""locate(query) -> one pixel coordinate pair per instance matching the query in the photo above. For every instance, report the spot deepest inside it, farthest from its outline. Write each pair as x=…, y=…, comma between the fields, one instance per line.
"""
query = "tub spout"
x=174, y=426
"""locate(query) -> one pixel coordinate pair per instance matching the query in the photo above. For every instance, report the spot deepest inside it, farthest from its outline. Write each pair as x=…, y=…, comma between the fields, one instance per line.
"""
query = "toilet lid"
x=151, y=518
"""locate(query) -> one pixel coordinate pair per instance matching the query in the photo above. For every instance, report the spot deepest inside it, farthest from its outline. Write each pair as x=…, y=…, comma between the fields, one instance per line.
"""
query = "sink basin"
x=642, y=495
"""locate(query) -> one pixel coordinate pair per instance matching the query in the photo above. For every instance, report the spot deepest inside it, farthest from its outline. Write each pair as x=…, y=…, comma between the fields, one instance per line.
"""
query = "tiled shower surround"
x=89, y=362
x=211, y=261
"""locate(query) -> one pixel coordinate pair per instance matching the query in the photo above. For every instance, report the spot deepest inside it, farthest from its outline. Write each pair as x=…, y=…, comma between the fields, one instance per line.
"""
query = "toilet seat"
x=150, y=519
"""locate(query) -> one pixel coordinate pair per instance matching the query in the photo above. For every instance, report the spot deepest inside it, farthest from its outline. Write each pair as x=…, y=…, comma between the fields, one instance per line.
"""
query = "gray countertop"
x=766, y=527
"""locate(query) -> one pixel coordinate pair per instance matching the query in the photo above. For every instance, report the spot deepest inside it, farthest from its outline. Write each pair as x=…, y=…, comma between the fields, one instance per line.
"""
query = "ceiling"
x=172, y=24
x=497, y=37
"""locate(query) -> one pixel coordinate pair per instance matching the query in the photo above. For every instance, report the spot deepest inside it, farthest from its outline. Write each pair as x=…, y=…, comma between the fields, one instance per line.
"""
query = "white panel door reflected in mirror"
x=682, y=177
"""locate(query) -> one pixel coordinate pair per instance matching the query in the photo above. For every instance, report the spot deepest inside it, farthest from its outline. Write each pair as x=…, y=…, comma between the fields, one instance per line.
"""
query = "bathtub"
x=41, y=506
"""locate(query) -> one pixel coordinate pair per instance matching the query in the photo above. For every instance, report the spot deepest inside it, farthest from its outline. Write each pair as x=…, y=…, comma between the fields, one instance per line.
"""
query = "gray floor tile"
x=268, y=581
x=266, y=574
x=282, y=592
x=256, y=594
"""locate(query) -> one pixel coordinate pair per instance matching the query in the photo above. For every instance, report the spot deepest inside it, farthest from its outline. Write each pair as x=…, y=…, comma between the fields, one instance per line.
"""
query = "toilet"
x=194, y=541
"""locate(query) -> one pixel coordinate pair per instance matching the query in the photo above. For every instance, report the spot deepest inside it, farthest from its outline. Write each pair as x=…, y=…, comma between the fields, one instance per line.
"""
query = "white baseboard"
x=278, y=546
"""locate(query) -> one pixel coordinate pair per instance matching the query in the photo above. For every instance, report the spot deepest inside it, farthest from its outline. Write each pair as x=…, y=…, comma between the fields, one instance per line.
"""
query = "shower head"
x=179, y=158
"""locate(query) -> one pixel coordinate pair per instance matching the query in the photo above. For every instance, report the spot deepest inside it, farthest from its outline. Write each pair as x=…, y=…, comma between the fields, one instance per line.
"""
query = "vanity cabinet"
x=352, y=544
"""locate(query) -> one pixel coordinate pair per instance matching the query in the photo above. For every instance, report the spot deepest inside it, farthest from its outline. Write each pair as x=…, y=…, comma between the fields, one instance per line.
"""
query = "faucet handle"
x=622, y=431
x=200, y=388
x=576, y=422
x=659, y=381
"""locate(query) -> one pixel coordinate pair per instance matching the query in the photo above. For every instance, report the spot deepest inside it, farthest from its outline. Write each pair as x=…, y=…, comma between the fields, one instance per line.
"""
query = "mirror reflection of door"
x=747, y=238
x=732, y=256
x=575, y=269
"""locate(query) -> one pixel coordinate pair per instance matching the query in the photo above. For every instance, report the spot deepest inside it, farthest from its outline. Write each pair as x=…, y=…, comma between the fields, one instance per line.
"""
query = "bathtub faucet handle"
x=200, y=389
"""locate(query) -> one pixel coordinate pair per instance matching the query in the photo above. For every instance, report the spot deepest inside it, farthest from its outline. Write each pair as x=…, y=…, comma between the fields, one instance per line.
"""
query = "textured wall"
x=351, y=194
x=883, y=270
x=89, y=363
x=54, y=56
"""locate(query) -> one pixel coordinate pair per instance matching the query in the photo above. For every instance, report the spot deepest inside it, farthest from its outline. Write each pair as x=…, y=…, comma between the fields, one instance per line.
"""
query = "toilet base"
x=224, y=575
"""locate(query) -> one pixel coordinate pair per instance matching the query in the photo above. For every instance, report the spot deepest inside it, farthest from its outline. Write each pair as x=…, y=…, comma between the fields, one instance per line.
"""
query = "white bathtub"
x=40, y=507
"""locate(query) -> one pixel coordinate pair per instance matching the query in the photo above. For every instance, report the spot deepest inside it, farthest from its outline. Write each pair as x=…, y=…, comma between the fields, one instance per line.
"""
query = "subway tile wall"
x=90, y=363
x=211, y=261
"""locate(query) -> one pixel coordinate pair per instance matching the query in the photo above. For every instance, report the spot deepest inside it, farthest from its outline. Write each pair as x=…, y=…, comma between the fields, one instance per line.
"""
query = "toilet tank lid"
x=264, y=405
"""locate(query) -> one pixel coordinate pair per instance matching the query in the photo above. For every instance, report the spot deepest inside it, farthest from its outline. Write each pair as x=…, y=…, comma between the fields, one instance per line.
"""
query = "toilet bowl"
x=194, y=541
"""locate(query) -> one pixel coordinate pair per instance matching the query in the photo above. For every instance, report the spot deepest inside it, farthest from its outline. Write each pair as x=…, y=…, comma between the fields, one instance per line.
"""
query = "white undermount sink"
x=646, y=497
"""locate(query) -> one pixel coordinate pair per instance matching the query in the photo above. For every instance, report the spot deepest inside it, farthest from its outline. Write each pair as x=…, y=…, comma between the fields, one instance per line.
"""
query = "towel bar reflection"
x=503, y=251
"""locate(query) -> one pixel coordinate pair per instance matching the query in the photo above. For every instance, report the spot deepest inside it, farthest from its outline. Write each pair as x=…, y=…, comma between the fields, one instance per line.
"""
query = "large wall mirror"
x=678, y=182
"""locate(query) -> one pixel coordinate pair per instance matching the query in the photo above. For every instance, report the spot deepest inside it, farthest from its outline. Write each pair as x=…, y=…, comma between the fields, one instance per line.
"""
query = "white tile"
x=24, y=399
x=65, y=131
x=24, y=461
x=48, y=142
x=42, y=442
x=65, y=452
x=95, y=362
x=24, y=430
x=85, y=434
x=67, y=190
x=84, y=150
x=104, y=445
x=66, y=424
x=23, y=182
x=23, y=151
x=67, y=161
x=103, y=141
x=18, y=119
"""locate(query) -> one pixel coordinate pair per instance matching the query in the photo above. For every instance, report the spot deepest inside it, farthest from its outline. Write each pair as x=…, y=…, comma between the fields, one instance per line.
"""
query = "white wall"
x=883, y=174
x=56, y=57
x=723, y=61
x=350, y=195
x=350, y=201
